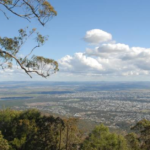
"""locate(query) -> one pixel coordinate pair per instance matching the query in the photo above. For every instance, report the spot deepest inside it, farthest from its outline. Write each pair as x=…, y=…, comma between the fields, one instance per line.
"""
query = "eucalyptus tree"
x=10, y=48
x=101, y=139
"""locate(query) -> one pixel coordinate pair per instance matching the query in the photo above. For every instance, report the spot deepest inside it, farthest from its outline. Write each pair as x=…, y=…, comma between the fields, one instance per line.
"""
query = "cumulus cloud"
x=108, y=64
x=97, y=36
x=108, y=59
x=108, y=49
x=79, y=63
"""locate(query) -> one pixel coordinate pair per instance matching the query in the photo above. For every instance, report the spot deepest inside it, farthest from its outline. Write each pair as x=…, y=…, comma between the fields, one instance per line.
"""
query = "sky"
x=100, y=40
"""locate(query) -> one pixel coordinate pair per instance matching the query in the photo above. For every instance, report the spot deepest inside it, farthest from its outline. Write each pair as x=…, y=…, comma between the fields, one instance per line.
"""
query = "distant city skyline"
x=96, y=40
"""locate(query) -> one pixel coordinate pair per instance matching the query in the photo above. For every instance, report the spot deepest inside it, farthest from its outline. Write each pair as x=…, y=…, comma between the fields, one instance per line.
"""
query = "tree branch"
x=22, y=16
x=32, y=9
x=4, y=13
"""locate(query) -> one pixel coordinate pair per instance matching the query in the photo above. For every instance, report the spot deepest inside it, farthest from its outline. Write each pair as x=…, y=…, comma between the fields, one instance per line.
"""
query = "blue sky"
x=127, y=21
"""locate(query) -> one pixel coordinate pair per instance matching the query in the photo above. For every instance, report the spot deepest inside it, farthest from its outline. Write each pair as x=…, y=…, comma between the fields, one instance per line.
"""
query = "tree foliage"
x=133, y=141
x=28, y=9
x=102, y=139
x=71, y=135
x=10, y=48
x=142, y=129
x=30, y=130
x=3, y=143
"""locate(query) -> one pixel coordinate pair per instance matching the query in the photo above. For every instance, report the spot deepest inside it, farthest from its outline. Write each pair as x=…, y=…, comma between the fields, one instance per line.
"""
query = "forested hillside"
x=30, y=130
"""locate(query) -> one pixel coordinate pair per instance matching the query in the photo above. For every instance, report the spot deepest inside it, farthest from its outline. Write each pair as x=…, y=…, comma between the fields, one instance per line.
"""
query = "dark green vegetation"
x=30, y=130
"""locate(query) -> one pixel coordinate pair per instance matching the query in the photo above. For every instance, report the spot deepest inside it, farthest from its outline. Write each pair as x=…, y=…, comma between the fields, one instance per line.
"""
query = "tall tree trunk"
x=67, y=137
x=60, y=139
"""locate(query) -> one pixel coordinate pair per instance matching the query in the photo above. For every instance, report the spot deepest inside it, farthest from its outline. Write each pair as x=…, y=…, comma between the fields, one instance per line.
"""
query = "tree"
x=102, y=139
x=3, y=143
x=72, y=135
x=49, y=133
x=133, y=141
x=30, y=130
x=42, y=10
x=142, y=128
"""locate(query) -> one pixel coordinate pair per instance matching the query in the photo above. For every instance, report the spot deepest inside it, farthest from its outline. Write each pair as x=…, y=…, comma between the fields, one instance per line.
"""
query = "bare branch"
x=4, y=13
x=31, y=52
x=32, y=9
x=22, y=16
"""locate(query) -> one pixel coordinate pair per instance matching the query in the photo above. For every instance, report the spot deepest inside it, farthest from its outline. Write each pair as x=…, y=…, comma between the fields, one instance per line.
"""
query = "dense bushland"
x=30, y=130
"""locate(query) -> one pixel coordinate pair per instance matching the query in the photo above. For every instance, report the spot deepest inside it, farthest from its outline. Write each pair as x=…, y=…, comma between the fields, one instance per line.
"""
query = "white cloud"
x=79, y=63
x=113, y=48
x=111, y=59
x=108, y=49
x=97, y=36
